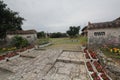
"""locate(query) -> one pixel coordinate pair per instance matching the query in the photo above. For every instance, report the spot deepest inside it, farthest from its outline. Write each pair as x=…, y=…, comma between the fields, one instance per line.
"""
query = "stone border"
x=89, y=73
x=16, y=56
x=26, y=56
x=28, y=50
x=43, y=49
x=11, y=58
x=45, y=45
x=69, y=61
x=91, y=57
x=3, y=60
x=94, y=68
x=73, y=50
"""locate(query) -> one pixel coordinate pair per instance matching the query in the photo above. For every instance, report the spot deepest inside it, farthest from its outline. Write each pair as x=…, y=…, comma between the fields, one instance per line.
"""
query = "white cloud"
x=58, y=15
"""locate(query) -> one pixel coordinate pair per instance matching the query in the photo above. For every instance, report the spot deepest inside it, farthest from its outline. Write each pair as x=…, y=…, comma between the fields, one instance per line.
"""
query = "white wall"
x=108, y=31
x=30, y=37
x=114, y=33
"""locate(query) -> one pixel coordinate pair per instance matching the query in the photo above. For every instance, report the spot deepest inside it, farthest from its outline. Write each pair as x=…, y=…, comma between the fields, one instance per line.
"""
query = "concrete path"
x=69, y=66
x=50, y=64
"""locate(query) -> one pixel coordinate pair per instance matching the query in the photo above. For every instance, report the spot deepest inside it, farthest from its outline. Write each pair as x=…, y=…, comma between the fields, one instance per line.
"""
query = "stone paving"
x=72, y=56
x=67, y=71
x=68, y=67
x=38, y=67
x=31, y=54
x=15, y=64
x=50, y=64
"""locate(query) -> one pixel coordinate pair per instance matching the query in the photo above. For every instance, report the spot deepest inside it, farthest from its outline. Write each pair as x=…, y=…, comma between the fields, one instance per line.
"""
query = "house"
x=30, y=35
x=104, y=33
x=84, y=31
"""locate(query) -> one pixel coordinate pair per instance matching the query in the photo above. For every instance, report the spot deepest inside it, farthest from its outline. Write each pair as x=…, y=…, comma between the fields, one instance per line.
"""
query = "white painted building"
x=104, y=33
x=30, y=35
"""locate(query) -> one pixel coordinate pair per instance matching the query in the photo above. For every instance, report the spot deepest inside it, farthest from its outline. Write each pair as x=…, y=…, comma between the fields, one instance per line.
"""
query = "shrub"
x=19, y=42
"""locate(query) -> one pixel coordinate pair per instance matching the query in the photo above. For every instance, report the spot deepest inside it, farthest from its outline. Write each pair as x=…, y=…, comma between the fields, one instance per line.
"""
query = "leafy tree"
x=19, y=42
x=73, y=31
x=9, y=20
x=58, y=35
x=41, y=34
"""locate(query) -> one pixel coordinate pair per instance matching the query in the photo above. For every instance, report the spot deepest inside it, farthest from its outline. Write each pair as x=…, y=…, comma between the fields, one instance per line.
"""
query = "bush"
x=19, y=42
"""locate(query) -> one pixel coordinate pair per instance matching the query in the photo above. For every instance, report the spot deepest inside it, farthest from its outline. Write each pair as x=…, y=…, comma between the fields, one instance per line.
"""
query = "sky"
x=59, y=15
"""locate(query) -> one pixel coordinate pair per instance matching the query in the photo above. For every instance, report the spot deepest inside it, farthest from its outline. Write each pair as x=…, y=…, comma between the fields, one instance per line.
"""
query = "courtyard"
x=59, y=40
x=64, y=60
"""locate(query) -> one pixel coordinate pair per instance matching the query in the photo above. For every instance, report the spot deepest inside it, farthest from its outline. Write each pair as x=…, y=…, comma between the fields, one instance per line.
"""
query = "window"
x=28, y=36
x=99, y=33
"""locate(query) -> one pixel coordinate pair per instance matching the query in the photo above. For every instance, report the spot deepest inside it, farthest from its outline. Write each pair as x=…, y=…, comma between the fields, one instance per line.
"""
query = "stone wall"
x=107, y=36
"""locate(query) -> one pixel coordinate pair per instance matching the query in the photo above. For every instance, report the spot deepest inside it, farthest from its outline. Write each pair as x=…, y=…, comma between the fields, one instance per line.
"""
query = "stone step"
x=70, y=61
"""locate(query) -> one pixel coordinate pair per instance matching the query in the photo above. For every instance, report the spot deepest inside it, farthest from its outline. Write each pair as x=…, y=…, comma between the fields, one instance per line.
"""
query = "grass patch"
x=2, y=52
x=110, y=54
x=43, y=41
x=67, y=43
x=7, y=49
x=107, y=52
x=83, y=40
x=65, y=40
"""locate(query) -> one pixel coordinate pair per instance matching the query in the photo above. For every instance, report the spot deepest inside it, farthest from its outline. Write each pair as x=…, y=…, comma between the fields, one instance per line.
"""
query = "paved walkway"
x=50, y=64
x=70, y=66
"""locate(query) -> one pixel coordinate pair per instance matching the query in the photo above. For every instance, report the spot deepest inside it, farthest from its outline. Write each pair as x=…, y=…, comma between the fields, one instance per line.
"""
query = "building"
x=30, y=35
x=104, y=33
x=84, y=31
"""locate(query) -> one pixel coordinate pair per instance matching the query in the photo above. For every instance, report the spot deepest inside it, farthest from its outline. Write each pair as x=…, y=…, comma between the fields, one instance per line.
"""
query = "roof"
x=84, y=28
x=111, y=24
x=22, y=32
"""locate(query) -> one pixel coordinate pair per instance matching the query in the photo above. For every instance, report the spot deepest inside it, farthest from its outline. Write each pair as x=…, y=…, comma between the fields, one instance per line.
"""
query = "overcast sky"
x=58, y=15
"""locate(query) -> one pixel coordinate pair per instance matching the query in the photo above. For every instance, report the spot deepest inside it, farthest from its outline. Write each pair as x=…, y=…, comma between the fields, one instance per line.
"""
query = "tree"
x=41, y=34
x=58, y=35
x=19, y=42
x=9, y=20
x=73, y=31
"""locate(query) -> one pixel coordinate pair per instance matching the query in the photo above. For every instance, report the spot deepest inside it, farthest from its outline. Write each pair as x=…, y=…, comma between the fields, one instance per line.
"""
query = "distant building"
x=84, y=31
x=104, y=33
x=30, y=35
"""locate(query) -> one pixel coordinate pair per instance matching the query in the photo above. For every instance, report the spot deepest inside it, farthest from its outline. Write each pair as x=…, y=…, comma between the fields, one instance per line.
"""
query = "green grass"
x=42, y=41
x=67, y=43
x=64, y=41
x=78, y=40
x=2, y=52
x=109, y=54
x=7, y=49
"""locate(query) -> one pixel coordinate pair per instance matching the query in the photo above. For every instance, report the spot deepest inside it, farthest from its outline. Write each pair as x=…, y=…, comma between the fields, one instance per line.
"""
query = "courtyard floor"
x=56, y=62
